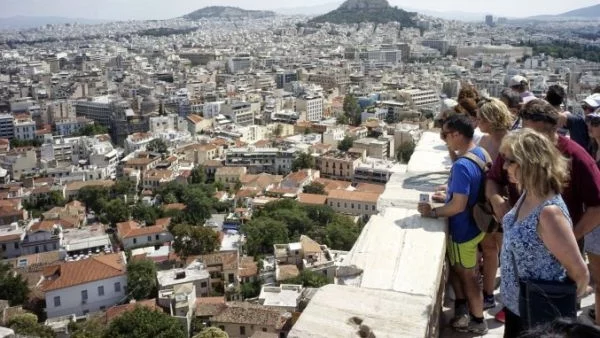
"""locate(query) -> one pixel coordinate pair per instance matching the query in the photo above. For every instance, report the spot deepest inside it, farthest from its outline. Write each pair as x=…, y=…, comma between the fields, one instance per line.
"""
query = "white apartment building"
x=312, y=105
x=239, y=63
x=84, y=286
x=420, y=98
x=212, y=109
x=333, y=136
x=240, y=113
x=69, y=126
x=137, y=141
x=24, y=129
x=195, y=273
x=260, y=160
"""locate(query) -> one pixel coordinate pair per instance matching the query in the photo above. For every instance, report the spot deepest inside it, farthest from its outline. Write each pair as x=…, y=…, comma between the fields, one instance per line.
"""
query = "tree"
x=143, y=212
x=342, y=119
x=346, y=143
x=26, y=324
x=91, y=130
x=303, y=161
x=309, y=279
x=198, y=175
x=123, y=187
x=194, y=240
x=341, y=233
x=93, y=327
x=115, y=211
x=143, y=322
x=262, y=233
x=251, y=289
x=351, y=109
x=314, y=188
x=13, y=287
x=141, y=279
x=199, y=204
x=93, y=197
x=212, y=332
x=157, y=145
x=405, y=152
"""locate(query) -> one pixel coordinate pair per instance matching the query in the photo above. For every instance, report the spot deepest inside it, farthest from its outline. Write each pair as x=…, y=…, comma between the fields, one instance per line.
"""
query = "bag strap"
x=474, y=158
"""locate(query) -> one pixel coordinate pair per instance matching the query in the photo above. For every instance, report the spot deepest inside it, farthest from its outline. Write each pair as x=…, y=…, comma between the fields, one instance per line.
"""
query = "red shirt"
x=583, y=189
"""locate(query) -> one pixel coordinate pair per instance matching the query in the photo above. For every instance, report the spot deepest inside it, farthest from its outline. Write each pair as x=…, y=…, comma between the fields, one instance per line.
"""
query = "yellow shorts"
x=464, y=254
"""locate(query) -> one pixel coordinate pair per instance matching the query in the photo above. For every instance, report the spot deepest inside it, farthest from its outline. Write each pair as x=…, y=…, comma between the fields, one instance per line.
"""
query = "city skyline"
x=153, y=9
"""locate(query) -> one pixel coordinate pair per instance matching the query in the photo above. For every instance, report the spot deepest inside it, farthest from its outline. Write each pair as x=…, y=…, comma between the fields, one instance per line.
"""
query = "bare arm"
x=499, y=204
x=456, y=205
x=587, y=223
x=556, y=233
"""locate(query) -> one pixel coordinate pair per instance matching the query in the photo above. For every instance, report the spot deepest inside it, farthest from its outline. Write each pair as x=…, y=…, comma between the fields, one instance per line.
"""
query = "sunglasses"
x=537, y=117
x=593, y=120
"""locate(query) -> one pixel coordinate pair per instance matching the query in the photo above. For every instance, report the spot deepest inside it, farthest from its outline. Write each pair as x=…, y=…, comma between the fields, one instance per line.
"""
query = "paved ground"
x=496, y=329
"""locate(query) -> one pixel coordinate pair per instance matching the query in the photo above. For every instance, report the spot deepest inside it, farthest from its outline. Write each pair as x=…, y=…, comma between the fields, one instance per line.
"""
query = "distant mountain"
x=378, y=11
x=22, y=22
x=227, y=12
x=592, y=12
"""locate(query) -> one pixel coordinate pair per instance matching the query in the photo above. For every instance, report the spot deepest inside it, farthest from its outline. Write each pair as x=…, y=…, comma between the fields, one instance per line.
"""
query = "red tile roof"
x=118, y=310
x=84, y=271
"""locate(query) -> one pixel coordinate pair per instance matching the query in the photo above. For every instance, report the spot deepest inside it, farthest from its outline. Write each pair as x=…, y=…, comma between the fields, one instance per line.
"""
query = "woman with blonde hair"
x=539, y=243
x=494, y=120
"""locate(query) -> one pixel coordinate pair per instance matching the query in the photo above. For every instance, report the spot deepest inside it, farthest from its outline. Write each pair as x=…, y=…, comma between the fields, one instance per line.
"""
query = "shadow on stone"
x=418, y=222
x=426, y=182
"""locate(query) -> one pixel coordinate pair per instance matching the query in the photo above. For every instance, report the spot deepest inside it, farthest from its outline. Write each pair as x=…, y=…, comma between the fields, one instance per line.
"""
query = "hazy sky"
x=163, y=9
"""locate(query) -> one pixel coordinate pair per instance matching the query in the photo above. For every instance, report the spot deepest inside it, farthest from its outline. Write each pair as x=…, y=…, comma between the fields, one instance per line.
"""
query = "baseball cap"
x=593, y=100
x=517, y=80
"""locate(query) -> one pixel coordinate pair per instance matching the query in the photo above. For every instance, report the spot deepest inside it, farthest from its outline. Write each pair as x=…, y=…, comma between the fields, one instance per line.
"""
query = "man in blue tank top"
x=462, y=194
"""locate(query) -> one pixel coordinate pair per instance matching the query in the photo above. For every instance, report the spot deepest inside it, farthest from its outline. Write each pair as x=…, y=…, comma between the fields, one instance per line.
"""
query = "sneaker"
x=474, y=327
x=461, y=317
x=489, y=302
x=500, y=316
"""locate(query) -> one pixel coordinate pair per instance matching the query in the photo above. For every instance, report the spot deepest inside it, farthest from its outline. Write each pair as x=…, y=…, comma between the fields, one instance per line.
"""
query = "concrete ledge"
x=336, y=310
x=394, y=273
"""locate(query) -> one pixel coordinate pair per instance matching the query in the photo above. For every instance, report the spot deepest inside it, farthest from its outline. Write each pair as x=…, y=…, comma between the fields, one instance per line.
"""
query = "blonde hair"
x=543, y=169
x=496, y=113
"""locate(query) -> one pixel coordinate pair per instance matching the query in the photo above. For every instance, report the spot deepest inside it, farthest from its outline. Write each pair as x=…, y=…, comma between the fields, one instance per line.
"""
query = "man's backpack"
x=482, y=211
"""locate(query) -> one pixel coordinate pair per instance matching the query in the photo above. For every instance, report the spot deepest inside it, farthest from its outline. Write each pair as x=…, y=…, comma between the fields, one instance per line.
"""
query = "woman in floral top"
x=538, y=230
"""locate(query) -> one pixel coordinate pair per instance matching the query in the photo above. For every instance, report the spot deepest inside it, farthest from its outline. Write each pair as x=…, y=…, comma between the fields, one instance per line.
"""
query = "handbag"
x=542, y=301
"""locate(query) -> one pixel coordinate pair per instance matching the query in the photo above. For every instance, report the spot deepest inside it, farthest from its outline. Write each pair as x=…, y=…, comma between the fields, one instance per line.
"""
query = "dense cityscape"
x=221, y=173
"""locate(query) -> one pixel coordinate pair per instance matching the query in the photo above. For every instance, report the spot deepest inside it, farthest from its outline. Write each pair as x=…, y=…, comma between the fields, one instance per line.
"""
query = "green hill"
x=227, y=12
x=377, y=11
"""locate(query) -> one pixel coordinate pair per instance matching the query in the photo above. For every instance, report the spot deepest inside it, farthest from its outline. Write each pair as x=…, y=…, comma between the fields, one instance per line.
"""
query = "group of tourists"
x=523, y=195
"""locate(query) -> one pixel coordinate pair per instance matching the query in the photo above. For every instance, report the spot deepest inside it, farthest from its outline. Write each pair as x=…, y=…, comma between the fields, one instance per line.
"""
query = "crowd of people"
x=523, y=196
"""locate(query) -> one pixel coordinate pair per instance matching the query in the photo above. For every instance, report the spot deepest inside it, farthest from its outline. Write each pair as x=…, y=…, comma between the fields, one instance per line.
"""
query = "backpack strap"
x=480, y=163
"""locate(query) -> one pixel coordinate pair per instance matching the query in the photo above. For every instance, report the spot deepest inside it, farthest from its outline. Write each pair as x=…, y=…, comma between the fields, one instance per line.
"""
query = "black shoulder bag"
x=541, y=301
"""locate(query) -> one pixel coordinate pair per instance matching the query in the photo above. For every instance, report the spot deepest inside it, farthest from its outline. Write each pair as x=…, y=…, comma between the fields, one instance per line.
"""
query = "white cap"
x=593, y=100
x=518, y=80
x=450, y=103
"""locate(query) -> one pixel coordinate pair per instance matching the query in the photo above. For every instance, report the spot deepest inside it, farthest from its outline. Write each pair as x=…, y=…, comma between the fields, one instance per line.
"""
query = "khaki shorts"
x=464, y=254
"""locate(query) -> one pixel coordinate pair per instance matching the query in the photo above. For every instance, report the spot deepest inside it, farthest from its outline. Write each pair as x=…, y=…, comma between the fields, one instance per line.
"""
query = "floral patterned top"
x=534, y=260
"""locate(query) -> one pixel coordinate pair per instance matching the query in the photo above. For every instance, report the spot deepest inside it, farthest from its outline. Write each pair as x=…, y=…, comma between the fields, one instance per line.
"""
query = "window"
x=102, y=308
x=149, y=238
x=118, y=287
x=203, y=285
x=57, y=301
x=373, y=207
x=101, y=290
x=352, y=205
x=230, y=277
x=242, y=330
x=135, y=241
x=3, y=247
x=84, y=295
x=157, y=237
x=358, y=206
x=264, y=329
x=17, y=245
